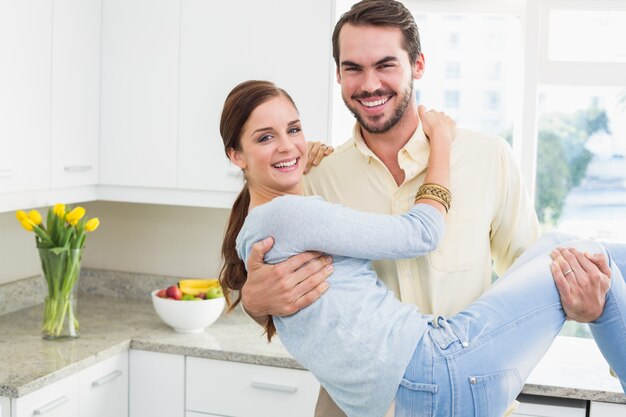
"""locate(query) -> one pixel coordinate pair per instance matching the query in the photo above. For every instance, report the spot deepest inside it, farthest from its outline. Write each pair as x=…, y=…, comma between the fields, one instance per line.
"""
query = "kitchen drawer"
x=536, y=406
x=598, y=409
x=243, y=390
x=59, y=399
x=5, y=407
x=103, y=388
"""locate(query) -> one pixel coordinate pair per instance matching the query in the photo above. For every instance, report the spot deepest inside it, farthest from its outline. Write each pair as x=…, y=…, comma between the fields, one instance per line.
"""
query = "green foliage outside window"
x=562, y=159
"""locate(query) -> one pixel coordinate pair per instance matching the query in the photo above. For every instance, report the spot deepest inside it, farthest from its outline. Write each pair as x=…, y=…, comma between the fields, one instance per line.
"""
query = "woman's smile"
x=287, y=165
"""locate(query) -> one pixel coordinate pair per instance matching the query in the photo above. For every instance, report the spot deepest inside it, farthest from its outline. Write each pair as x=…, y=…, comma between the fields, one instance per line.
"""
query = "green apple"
x=215, y=293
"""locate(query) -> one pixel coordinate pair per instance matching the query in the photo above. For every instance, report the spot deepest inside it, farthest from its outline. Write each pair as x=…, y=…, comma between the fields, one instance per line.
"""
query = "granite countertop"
x=573, y=368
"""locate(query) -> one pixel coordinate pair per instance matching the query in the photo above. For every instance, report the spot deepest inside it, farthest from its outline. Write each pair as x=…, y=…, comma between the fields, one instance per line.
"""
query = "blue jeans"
x=475, y=363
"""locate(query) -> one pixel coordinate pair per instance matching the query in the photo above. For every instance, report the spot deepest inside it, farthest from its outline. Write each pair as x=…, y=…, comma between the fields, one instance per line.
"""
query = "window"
x=554, y=87
x=493, y=71
x=492, y=100
x=587, y=35
x=452, y=99
x=582, y=143
x=453, y=70
x=453, y=40
x=580, y=173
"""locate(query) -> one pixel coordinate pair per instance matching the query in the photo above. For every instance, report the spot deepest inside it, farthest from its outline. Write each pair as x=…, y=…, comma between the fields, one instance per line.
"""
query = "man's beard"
x=405, y=99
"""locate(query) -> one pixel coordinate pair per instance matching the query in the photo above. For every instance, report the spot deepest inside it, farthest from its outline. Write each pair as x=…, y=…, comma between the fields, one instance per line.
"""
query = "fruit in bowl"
x=190, y=306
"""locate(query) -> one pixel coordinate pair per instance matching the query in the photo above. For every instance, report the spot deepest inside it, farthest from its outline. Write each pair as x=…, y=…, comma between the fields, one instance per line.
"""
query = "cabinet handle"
x=77, y=168
x=50, y=406
x=106, y=378
x=273, y=387
x=6, y=173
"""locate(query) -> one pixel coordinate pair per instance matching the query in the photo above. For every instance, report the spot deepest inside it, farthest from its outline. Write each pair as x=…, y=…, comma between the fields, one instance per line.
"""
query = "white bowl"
x=192, y=316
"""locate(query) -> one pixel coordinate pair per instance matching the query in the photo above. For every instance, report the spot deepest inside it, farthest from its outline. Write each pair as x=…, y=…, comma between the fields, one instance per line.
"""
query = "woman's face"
x=273, y=149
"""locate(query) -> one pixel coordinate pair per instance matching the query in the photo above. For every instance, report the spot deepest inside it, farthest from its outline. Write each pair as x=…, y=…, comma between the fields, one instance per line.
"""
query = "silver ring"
x=567, y=272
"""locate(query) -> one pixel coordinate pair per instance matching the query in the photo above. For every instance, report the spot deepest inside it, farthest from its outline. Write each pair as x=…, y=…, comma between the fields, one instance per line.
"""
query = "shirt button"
x=465, y=344
x=473, y=380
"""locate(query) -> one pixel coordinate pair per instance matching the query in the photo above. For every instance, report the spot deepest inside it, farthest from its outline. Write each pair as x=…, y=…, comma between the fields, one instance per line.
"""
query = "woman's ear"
x=236, y=158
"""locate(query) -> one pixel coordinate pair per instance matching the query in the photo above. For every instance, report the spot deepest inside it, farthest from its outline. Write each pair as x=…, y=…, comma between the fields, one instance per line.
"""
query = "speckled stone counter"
x=573, y=368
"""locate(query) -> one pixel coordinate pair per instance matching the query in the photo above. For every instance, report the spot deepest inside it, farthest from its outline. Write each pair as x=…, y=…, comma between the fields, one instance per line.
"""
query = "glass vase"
x=61, y=269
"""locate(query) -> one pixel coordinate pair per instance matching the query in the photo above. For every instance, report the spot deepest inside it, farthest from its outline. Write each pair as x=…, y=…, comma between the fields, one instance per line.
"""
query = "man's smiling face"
x=376, y=75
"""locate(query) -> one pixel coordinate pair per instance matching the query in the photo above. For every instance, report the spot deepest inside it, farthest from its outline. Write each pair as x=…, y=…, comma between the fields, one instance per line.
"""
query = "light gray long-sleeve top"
x=357, y=338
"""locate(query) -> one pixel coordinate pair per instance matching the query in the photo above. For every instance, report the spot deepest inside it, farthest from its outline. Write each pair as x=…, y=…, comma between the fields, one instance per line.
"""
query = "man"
x=377, y=51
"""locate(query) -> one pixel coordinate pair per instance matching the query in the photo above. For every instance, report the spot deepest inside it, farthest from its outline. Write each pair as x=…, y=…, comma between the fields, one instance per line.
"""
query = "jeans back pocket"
x=415, y=399
x=494, y=393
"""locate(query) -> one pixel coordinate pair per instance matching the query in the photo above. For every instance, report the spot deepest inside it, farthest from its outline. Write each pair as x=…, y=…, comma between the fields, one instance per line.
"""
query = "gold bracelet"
x=436, y=190
x=434, y=198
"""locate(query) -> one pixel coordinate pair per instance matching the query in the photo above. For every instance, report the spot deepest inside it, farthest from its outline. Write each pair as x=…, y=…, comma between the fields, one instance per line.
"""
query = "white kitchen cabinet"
x=536, y=406
x=75, y=126
x=103, y=388
x=220, y=50
x=49, y=106
x=157, y=384
x=242, y=390
x=598, y=409
x=97, y=391
x=5, y=407
x=59, y=399
x=139, y=119
x=25, y=49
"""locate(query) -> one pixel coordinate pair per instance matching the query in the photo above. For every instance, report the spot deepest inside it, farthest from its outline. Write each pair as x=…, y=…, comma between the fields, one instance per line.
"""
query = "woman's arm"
x=439, y=129
x=300, y=224
x=313, y=224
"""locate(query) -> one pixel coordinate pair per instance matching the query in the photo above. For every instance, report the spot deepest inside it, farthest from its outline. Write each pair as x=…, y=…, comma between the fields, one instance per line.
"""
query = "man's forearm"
x=260, y=320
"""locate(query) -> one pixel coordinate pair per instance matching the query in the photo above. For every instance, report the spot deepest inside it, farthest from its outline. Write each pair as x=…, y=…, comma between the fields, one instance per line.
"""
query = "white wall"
x=152, y=239
x=18, y=256
x=165, y=240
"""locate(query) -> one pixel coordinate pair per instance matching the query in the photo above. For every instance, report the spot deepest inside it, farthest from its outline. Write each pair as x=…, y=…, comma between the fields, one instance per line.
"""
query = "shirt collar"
x=416, y=149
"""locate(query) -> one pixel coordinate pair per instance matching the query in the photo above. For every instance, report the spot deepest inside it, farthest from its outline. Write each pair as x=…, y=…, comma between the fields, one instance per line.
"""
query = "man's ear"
x=236, y=158
x=418, y=67
x=338, y=75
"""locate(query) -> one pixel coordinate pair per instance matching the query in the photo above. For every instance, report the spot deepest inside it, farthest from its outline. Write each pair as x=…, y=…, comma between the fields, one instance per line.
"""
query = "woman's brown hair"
x=239, y=104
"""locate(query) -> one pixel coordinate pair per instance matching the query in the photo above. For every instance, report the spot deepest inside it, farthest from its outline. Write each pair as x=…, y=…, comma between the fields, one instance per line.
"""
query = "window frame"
x=537, y=69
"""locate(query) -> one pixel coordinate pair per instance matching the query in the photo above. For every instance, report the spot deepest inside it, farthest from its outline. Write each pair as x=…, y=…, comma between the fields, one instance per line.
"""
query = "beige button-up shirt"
x=491, y=218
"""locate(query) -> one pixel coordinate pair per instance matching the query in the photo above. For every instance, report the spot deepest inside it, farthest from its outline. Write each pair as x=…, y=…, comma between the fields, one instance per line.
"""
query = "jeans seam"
x=617, y=307
x=486, y=337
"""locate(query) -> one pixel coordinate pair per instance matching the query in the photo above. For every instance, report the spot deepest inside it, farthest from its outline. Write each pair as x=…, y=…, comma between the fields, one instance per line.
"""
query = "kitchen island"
x=573, y=368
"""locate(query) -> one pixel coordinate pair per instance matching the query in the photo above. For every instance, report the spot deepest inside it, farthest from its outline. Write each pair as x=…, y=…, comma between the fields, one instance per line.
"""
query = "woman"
x=362, y=344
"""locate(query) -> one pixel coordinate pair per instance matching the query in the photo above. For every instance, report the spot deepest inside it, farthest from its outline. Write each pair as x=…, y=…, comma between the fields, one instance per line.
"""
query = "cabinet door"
x=25, y=48
x=157, y=384
x=5, y=407
x=103, y=388
x=75, y=92
x=59, y=399
x=598, y=409
x=243, y=390
x=276, y=40
x=140, y=48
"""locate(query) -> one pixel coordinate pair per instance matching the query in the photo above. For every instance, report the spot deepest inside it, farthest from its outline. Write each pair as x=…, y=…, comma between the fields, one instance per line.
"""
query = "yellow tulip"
x=59, y=210
x=20, y=215
x=27, y=224
x=74, y=216
x=92, y=224
x=35, y=217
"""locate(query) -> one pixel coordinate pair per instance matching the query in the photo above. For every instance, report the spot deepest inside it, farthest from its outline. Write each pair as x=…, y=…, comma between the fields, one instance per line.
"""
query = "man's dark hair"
x=381, y=13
